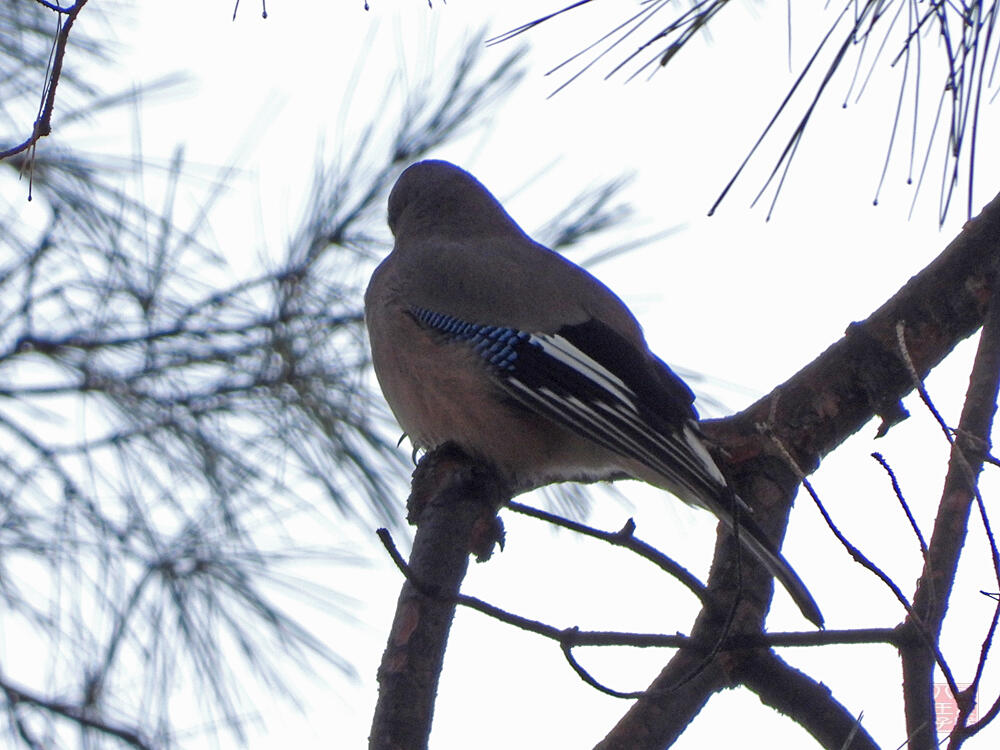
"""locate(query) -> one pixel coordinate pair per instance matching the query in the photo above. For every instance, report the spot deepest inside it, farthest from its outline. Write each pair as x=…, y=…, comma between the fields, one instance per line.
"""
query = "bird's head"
x=436, y=198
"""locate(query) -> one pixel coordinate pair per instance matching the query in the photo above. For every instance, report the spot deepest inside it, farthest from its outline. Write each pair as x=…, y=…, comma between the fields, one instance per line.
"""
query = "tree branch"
x=625, y=537
x=453, y=503
x=807, y=701
x=43, y=125
x=937, y=579
x=572, y=637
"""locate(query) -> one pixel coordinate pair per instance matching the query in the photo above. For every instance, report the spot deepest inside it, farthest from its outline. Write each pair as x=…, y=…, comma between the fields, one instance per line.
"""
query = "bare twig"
x=574, y=636
x=625, y=537
x=588, y=678
x=918, y=383
x=902, y=502
x=989, y=715
x=43, y=123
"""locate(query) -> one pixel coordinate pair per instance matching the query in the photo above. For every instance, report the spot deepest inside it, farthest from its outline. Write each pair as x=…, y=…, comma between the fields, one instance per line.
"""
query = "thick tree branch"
x=453, y=503
x=934, y=588
x=807, y=701
x=658, y=719
x=863, y=374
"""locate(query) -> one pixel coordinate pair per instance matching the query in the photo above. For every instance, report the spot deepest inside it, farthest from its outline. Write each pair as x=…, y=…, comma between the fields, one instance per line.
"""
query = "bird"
x=486, y=339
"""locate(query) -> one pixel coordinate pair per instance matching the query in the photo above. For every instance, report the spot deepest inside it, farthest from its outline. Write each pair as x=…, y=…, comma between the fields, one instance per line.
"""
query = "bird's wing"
x=591, y=380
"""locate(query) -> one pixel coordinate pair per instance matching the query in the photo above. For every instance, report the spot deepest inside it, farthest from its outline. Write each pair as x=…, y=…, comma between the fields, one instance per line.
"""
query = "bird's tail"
x=755, y=540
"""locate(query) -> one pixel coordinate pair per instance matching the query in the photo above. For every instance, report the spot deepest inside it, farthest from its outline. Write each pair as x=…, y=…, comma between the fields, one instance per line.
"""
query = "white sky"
x=732, y=296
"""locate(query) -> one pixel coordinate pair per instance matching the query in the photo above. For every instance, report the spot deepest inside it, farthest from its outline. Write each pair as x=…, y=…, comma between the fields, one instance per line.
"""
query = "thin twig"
x=918, y=383
x=43, y=124
x=584, y=675
x=902, y=502
x=573, y=636
x=625, y=538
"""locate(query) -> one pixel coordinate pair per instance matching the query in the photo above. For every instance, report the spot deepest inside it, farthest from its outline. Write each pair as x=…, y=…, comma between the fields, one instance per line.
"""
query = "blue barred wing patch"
x=497, y=345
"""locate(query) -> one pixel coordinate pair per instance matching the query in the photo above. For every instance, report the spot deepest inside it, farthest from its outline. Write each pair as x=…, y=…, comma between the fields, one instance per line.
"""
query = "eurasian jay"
x=484, y=338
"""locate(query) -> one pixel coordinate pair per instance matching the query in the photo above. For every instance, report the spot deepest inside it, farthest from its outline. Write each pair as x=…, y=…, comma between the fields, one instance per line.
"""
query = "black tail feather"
x=757, y=542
